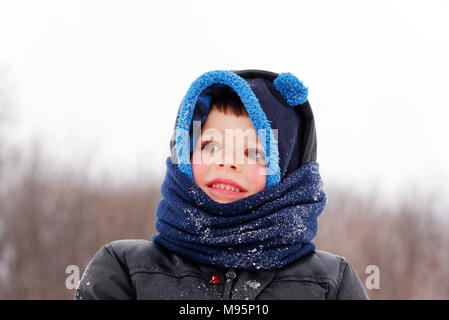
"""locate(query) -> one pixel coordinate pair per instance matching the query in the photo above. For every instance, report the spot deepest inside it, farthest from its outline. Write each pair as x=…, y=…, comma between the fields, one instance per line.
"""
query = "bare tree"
x=60, y=219
x=409, y=243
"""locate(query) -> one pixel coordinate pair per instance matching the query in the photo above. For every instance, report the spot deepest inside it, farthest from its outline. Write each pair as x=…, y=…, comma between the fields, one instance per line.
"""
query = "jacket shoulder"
x=319, y=266
x=140, y=253
x=329, y=269
x=108, y=274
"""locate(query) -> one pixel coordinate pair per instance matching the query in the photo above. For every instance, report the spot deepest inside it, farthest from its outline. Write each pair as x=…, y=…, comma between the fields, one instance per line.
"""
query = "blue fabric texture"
x=252, y=105
x=293, y=90
x=264, y=231
x=200, y=114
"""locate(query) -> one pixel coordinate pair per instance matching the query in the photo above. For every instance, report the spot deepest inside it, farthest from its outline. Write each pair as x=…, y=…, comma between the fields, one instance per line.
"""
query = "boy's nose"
x=232, y=166
x=229, y=161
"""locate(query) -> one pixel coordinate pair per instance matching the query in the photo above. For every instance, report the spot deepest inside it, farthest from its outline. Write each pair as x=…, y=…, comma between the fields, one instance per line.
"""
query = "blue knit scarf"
x=266, y=230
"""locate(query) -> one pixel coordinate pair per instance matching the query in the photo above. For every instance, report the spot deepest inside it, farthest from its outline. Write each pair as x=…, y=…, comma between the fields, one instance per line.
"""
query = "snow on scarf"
x=266, y=230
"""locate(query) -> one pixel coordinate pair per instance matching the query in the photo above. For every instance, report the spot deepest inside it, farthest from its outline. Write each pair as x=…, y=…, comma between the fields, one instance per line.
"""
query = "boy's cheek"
x=199, y=171
x=258, y=177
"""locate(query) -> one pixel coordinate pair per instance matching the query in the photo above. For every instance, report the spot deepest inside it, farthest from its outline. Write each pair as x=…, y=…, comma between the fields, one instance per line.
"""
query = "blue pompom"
x=291, y=89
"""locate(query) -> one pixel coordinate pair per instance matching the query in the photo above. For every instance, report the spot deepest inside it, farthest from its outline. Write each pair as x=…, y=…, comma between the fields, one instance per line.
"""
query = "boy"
x=240, y=204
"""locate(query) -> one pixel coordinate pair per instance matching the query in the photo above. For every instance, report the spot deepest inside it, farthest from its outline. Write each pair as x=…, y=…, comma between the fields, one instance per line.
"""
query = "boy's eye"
x=255, y=154
x=209, y=146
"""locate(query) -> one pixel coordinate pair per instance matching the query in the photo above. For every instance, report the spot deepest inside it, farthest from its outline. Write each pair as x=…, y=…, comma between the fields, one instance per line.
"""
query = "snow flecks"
x=79, y=296
x=253, y=284
x=197, y=196
x=319, y=191
x=261, y=232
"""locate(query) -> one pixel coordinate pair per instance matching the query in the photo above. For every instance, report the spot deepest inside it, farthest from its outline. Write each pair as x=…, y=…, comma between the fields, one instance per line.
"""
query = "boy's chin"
x=223, y=200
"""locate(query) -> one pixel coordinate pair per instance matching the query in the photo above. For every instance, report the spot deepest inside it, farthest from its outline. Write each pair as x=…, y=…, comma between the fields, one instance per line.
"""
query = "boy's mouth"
x=226, y=186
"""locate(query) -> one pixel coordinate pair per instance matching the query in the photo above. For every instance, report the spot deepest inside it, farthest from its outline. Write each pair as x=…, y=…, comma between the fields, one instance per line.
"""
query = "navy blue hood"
x=272, y=100
x=265, y=230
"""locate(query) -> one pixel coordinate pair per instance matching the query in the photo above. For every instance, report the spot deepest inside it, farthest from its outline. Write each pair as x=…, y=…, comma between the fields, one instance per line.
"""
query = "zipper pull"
x=230, y=276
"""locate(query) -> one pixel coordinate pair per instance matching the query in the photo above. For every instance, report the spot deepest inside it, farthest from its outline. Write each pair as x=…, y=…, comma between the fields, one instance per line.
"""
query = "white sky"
x=103, y=79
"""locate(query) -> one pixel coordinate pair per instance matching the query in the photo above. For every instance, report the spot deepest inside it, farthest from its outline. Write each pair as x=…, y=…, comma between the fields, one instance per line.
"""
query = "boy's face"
x=228, y=161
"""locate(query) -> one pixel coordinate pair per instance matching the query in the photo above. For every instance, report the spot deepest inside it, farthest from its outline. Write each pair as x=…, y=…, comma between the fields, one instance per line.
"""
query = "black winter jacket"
x=140, y=269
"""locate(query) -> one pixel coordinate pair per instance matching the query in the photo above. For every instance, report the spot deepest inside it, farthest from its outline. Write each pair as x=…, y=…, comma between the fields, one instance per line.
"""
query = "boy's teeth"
x=225, y=187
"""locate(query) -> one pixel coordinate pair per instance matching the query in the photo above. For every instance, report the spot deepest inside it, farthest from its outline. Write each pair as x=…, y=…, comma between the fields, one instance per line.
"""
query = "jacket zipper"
x=230, y=276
